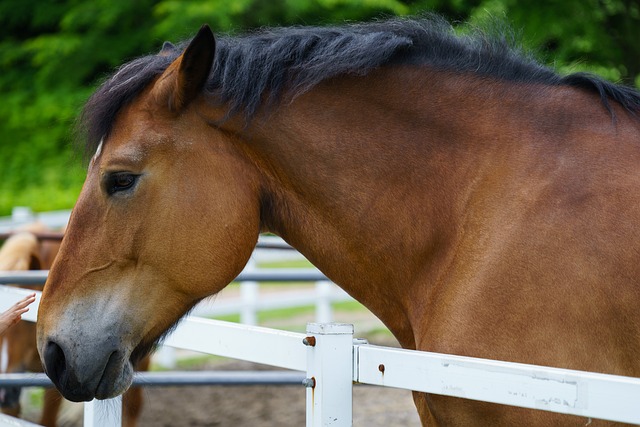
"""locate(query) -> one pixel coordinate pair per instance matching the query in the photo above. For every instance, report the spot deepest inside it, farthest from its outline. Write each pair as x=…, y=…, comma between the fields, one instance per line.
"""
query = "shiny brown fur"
x=473, y=215
x=23, y=252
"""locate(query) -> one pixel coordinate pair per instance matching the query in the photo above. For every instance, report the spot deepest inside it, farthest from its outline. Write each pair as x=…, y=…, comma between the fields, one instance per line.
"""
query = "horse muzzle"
x=85, y=355
x=84, y=375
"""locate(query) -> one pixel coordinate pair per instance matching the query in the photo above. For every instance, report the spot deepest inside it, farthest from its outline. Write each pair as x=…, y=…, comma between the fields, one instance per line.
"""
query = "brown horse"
x=22, y=251
x=477, y=202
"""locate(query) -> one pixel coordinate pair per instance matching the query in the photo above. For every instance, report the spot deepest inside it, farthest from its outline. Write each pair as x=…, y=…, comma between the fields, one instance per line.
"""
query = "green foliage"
x=53, y=53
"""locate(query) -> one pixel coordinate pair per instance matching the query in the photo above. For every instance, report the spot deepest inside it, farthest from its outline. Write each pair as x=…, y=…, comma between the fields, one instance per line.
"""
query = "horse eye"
x=120, y=181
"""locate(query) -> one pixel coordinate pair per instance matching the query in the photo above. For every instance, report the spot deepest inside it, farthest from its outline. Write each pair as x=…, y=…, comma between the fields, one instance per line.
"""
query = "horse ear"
x=183, y=80
x=167, y=48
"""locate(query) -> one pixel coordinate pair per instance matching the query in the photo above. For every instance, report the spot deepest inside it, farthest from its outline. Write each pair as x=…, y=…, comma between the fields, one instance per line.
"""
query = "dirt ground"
x=266, y=406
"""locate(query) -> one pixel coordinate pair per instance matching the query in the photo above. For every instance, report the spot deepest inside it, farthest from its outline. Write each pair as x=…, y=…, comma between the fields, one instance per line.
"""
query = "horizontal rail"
x=565, y=391
x=40, y=235
x=29, y=277
x=22, y=216
x=9, y=421
x=175, y=378
x=250, y=343
x=38, y=277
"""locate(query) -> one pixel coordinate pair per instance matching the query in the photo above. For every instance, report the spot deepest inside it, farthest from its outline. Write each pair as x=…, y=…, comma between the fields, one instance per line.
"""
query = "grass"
x=36, y=396
x=292, y=312
x=298, y=263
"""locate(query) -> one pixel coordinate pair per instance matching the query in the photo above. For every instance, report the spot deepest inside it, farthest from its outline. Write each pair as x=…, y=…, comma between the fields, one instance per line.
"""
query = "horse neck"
x=369, y=178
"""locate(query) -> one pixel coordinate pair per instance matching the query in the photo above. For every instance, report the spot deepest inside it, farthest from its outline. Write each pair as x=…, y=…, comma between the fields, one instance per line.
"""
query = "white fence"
x=24, y=215
x=333, y=360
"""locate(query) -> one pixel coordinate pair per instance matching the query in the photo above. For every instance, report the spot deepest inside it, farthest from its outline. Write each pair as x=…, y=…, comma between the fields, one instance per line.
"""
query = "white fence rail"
x=332, y=360
x=23, y=215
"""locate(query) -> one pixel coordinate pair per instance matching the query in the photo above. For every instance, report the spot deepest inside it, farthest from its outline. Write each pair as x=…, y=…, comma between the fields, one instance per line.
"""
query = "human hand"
x=13, y=315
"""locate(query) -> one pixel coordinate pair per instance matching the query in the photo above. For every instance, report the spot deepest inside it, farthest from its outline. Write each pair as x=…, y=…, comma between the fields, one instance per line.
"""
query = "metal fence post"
x=103, y=413
x=329, y=374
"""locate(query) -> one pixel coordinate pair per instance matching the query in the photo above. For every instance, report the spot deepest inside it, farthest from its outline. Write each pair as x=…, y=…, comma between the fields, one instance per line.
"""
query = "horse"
x=23, y=251
x=473, y=199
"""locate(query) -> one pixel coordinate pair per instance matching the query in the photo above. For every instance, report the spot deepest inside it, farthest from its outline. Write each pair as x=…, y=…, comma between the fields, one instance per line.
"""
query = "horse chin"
x=116, y=379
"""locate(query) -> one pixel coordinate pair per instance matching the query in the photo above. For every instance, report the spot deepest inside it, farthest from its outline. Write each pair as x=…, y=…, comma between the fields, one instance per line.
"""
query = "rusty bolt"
x=381, y=368
x=310, y=341
x=309, y=382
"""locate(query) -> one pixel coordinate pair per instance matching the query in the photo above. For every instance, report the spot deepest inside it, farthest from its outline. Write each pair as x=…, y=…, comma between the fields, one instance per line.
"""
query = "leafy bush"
x=52, y=54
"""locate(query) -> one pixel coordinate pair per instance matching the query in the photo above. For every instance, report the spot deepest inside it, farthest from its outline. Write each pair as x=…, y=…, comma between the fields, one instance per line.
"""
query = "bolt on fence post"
x=103, y=413
x=329, y=379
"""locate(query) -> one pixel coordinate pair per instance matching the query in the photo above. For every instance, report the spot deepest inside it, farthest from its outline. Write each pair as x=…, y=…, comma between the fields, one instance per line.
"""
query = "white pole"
x=165, y=357
x=249, y=293
x=22, y=215
x=103, y=413
x=329, y=374
x=324, y=313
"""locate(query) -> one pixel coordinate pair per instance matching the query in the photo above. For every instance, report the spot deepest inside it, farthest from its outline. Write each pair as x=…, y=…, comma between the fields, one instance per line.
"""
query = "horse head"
x=169, y=214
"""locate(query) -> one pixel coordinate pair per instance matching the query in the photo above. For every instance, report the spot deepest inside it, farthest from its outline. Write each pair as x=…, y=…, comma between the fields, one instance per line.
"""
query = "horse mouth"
x=82, y=382
x=116, y=377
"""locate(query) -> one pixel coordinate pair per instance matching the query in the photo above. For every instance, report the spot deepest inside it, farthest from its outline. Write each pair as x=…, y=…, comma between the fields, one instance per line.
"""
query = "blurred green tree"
x=54, y=52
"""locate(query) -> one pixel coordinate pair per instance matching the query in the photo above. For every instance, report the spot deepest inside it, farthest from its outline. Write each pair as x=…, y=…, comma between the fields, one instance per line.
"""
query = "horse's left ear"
x=183, y=80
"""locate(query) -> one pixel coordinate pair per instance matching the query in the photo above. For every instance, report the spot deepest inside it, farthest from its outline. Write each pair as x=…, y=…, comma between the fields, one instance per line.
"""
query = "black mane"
x=289, y=61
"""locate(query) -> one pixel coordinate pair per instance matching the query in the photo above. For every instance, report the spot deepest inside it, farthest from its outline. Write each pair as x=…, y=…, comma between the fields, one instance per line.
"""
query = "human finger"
x=21, y=311
x=24, y=302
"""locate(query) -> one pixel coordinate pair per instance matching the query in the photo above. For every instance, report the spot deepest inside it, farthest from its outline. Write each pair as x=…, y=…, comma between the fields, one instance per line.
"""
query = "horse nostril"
x=55, y=362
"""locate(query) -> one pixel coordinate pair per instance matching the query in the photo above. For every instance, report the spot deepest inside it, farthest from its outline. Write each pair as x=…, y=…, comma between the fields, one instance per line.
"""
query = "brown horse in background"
x=474, y=200
x=23, y=251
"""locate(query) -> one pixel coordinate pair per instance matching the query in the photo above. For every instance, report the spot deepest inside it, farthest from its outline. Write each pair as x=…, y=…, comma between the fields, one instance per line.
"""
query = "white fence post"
x=103, y=413
x=249, y=293
x=324, y=312
x=329, y=374
x=22, y=215
x=166, y=357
